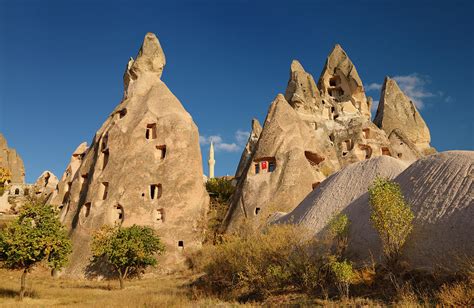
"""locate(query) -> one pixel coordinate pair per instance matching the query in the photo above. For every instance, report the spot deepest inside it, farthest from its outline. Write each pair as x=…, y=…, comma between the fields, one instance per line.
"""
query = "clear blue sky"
x=61, y=64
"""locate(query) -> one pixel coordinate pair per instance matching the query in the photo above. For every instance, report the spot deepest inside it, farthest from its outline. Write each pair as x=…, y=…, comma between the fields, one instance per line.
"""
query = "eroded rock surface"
x=310, y=133
x=143, y=167
x=12, y=161
x=397, y=111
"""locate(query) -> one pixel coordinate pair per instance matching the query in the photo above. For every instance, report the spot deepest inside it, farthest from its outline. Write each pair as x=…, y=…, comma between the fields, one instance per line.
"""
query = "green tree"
x=391, y=216
x=220, y=188
x=126, y=249
x=35, y=236
x=343, y=274
x=339, y=232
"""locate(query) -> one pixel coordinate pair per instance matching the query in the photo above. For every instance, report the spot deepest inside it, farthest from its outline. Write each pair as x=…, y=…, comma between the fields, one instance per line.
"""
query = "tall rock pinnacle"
x=144, y=167
x=341, y=82
x=397, y=111
x=12, y=161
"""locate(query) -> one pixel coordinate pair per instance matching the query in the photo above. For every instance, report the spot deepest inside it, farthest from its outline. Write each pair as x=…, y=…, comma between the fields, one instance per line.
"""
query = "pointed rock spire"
x=339, y=82
x=397, y=111
x=245, y=158
x=302, y=92
x=12, y=161
x=150, y=61
x=286, y=163
x=143, y=167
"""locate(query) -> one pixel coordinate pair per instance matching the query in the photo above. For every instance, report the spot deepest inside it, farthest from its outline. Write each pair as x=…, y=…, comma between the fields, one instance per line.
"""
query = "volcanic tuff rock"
x=397, y=111
x=143, y=167
x=245, y=159
x=46, y=184
x=10, y=160
x=279, y=173
x=330, y=128
x=437, y=187
x=342, y=193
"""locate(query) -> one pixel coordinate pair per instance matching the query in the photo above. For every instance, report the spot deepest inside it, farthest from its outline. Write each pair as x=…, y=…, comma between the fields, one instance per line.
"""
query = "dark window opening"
x=150, y=131
x=331, y=137
x=271, y=166
x=333, y=109
x=103, y=143
x=335, y=81
x=366, y=133
x=87, y=209
x=367, y=149
x=335, y=116
x=155, y=191
x=344, y=153
x=119, y=214
x=162, y=151
x=160, y=215
x=313, y=158
x=105, y=158
x=17, y=191
x=315, y=185
x=105, y=190
x=399, y=155
x=257, y=168
x=257, y=210
x=122, y=113
x=180, y=244
x=386, y=151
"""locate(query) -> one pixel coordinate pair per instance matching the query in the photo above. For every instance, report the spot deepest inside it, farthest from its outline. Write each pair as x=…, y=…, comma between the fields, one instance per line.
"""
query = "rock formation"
x=346, y=192
x=438, y=189
x=45, y=185
x=397, y=111
x=245, y=159
x=10, y=160
x=330, y=128
x=143, y=167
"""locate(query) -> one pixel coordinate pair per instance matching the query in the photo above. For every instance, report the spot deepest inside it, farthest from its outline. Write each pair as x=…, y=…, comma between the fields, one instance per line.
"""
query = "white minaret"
x=211, y=161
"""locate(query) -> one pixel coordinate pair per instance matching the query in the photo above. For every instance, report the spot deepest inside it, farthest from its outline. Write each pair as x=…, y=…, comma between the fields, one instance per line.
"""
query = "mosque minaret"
x=211, y=161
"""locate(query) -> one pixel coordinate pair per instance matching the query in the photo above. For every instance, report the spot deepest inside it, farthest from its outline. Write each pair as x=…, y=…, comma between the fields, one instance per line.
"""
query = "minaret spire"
x=211, y=161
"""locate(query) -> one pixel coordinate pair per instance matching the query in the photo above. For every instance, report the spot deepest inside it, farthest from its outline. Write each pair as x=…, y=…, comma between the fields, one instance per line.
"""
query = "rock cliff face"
x=45, y=185
x=143, y=167
x=310, y=133
x=397, y=111
x=437, y=187
x=12, y=161
x=245, y=159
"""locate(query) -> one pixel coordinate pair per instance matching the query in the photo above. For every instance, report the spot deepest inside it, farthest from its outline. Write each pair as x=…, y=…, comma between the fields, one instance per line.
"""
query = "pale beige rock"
x=341, y=82
x=440, y=189
x=397, y=111
x=330, y=131
x=346, y=192
x=286, y=163
x=46, y=184
x=245, y=158
x=143, y=167
x=12, y=161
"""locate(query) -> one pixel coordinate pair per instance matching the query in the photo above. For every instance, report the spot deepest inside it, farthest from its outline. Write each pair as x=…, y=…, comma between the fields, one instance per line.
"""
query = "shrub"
x=257, y=264
x=343, y=275
x=220, y=191
x=126, y=249
x=36, y=235
x=220, y=188
x=339, y=229
x=391, y=216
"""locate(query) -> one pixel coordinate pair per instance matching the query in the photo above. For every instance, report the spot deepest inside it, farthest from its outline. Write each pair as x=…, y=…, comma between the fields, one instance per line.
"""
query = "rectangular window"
x=155, y=191
x=257, y=168
x=271, y=166
x=105, y=190
x=161, y=151
x=150, y=131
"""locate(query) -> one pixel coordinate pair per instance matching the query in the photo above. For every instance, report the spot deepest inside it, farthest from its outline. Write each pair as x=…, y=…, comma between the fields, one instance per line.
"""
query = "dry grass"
x=43, y=290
